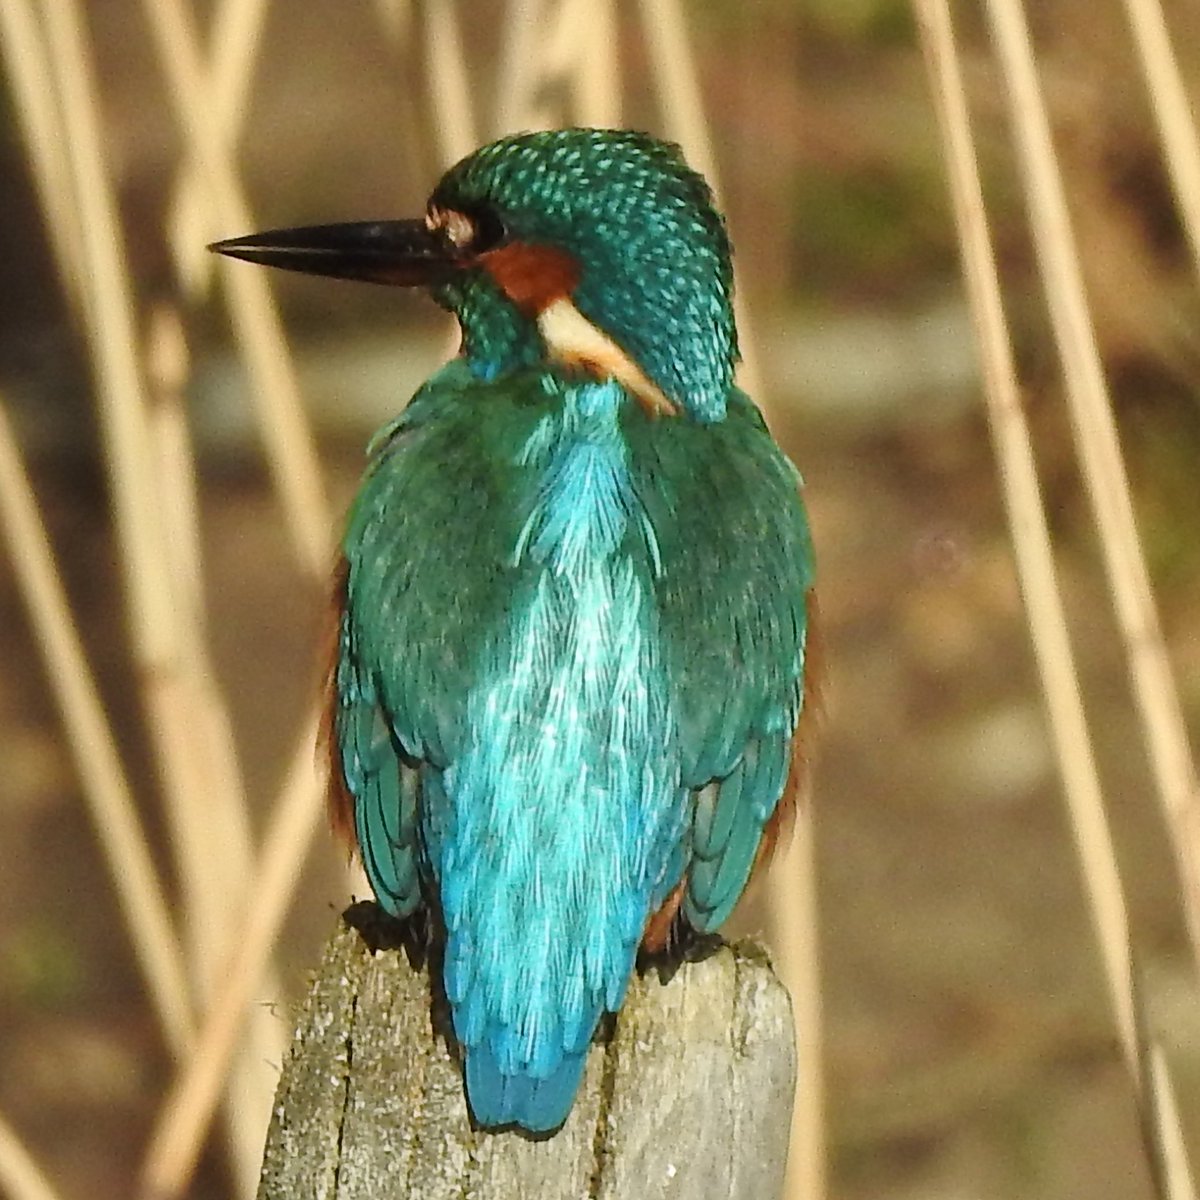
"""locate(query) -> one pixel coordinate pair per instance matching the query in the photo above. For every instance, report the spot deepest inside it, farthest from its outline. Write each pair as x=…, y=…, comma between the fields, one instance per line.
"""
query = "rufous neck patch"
x=532, y=277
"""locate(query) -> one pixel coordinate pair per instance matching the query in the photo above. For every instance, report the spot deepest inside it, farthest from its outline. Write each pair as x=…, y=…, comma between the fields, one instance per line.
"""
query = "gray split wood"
x=690, y=1099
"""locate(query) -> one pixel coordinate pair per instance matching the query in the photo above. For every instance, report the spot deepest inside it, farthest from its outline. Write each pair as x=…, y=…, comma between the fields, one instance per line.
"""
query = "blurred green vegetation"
x=41, y=966
x=877, y=233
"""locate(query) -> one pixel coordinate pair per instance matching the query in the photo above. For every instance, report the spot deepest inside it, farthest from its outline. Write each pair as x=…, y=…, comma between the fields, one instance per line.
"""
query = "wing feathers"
x=385, y=816
x=727, y=827
x=567, y=681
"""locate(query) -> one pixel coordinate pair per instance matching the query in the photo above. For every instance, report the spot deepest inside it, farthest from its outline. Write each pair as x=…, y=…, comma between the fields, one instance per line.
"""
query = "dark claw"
x=379, y=930
x=684, y=945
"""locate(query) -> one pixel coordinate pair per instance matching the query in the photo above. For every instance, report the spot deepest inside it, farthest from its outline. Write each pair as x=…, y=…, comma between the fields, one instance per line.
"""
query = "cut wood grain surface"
x=690, y=1097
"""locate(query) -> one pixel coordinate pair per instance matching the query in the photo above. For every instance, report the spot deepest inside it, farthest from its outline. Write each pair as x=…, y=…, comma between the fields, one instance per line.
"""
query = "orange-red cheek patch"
x=532, y=277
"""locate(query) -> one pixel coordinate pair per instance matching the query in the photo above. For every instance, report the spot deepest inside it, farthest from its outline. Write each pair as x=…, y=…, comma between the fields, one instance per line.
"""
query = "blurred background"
x=968, y=1045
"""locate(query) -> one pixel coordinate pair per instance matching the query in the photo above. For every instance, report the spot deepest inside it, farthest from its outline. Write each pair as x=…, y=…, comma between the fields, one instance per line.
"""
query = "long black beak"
x=400, y=253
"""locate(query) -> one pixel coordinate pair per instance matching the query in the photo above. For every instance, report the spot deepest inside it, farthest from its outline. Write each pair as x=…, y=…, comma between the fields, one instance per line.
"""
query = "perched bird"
x=574, y=598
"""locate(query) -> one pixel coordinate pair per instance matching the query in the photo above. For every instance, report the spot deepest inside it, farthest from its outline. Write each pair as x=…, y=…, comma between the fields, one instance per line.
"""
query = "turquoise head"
x=625, y=228
x=594, y=247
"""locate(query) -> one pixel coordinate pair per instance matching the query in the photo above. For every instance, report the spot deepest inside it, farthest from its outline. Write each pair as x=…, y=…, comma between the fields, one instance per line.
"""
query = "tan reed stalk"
x=1043, y=601
x=208, y=783
x=199, y=758
x=673, y=67
x=1027, y=519
x=237, y=26
x=20, y=1177
x=1172, y=112
x=28, y=70
x=1100, y=456
x=792, y=894
x=596, y=80
x=167, y=371
x=185, y=1115
x=571, y=41
x=398, y=21
x=793, y=908
x=564, y=38
x=256, y=324
x=449, y=87
x=110, y=329
x=135, y=880
x=1175, y=1169
x=581, y=45
x=396, y=18
x=113, y=343
x=450, y=91
x=196, y=836
x=521, y=69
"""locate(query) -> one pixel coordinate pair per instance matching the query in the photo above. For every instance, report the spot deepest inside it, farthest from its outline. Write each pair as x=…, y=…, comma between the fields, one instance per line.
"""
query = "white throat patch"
x=572, y=338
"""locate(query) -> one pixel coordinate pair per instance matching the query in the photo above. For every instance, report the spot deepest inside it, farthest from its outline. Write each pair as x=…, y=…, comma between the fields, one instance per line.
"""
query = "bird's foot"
x=380, y=930
x=684, y=945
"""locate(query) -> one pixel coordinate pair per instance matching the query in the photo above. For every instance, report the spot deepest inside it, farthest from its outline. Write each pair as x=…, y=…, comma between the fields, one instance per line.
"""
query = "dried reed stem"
x=196, y=743
x=20, y=1177
x=1043, y=601
x=673, y=66
x=1100, y=454
x=110, y=328
x=167, y=371
x=202, y=844
x=132, y=468
x=521, y=68
x=674, y=69
x=1030, y=530
x=29, y=76
x=596, y=79
x=396, y=18
x=573, y=41
x=209, y=828
x=237, y=27
x=793, y=896
x=289, y=444
x=1172, y=112
x=450, y=92
x=185, y=1115
x=1175, y=1170
x=449, y=86
x=565, y=37
x=106, y=790
x=192, y=723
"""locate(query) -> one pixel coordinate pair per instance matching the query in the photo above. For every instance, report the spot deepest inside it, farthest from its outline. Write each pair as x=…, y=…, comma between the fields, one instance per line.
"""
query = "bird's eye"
x=456, y=227
x=467, y=232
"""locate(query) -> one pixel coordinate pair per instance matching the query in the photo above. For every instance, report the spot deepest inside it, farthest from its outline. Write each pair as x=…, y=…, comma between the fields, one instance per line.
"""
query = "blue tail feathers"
x=538, y=1105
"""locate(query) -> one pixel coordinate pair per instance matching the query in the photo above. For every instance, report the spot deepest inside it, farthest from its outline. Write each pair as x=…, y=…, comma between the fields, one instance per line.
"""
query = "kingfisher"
x=574, y=638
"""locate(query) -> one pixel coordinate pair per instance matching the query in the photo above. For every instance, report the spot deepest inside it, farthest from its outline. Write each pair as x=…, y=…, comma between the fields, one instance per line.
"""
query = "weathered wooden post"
x=690, y=1098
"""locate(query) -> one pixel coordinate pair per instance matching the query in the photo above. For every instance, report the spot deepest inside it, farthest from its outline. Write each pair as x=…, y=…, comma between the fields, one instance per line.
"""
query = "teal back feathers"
x=571, y=661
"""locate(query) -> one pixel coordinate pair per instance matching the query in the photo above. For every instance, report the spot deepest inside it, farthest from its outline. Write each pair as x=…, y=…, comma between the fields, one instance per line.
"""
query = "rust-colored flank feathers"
x=660, y=927
x=339, y=801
